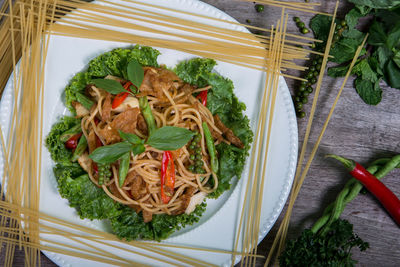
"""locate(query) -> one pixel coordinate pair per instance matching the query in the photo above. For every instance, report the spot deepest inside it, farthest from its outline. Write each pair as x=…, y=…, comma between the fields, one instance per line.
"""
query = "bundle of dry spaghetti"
x=25, y=35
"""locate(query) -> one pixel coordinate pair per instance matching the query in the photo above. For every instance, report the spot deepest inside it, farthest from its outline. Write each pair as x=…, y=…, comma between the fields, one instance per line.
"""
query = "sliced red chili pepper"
x=95, y=169
x=387, y=198
x=72, y=142
x=203, y=97
x=119, y=98
x=167, y=177
x=96, y=120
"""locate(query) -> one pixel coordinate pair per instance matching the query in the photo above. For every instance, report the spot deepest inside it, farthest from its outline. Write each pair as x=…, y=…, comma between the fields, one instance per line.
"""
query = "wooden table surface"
x=356, y=131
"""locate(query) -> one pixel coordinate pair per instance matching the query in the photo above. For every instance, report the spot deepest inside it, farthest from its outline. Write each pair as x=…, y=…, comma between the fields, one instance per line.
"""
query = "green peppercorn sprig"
x=259, y=8
x=196, y=155
x=301, y=25
x=340, y=28
x=305, y=89
x=104, y=173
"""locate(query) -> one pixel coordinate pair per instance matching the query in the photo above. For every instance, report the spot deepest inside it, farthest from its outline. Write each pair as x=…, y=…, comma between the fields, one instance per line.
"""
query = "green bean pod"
x=70, y=132
x=211, y=148
x=147, y=114
x=123, y=167
x=80, y=148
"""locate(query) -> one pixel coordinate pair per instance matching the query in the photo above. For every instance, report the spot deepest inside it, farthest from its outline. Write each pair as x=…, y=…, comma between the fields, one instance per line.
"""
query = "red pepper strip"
x=119, y=98
x=167, y=177
x=72, y=142
x=376, y=187
x=95, y=168
x=203, y=97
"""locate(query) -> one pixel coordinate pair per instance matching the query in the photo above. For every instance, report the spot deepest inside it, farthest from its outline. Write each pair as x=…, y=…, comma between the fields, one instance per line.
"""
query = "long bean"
x=123, y=167
x=211, y=148
x=80, y=148
x=147, y=114
x=351, y=189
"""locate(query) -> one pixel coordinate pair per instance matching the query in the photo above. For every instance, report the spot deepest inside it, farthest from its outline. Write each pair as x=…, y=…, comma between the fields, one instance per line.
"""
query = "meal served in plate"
x=146, y=144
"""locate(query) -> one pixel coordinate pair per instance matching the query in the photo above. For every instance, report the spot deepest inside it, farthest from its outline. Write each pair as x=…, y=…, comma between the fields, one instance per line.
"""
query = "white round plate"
x=216, y=229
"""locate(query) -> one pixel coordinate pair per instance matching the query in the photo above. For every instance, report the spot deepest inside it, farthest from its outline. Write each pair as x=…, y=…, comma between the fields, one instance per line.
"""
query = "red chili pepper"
x=376, y=187
x=119, y=98
x=72, y=142
x=95, y=168
x=203, y=97
x=167, y=177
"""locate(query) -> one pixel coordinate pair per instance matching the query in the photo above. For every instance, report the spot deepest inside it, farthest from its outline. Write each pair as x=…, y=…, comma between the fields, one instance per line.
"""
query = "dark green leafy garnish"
x=331, y=249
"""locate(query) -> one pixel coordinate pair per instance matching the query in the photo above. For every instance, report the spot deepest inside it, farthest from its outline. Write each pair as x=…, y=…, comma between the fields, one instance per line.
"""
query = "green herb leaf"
x=370, y=92
x=84, y=100
x=364, y=70
x=393, y=36
x=384, y=4
x=111, y=153
x=135, y=73
x=138, y=149
x=169, y=138
x=396, y=58
x=339, y=71
x=110, y=86
x=131, y=138
x=393, y=74
x=377, y=35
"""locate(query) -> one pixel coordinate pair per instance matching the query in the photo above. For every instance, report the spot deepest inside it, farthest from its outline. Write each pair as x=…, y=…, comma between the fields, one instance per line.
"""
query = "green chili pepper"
x=124, y=167
x=211, y=148
x=80, y=148
x=69, y=133
x=147, y=114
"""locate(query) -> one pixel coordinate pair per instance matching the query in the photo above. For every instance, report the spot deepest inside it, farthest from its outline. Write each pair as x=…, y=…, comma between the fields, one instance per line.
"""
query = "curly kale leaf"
x=331, y=249
x=222, y=101
x=56, y=147
x=90, y=201
x=129, y=225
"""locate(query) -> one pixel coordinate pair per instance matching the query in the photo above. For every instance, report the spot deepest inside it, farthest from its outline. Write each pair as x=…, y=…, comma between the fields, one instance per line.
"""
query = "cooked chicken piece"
x=158, y=79
x=129, y=102
x=81, y=111
x=228, y=132
x=109, y=134
x=91, y=141
x=126, y=121
x=136, y=184
x=185, y=198
x=106, y=109
x=141, y=124
x=85, y=161
x=194, y=201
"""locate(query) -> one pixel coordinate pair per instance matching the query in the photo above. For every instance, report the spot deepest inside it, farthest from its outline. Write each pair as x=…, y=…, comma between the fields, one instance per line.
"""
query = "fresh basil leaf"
x=370, y=92
x=138, y=149
x=169, y=138
x=84, y=100
x=110, y=86
x=111, y=153
x=131, y=138
x=135, y=73
x=393, y=74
